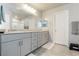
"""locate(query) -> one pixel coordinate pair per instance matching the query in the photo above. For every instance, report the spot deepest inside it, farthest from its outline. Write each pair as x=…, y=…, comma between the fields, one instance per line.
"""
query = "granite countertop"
x=25, y=31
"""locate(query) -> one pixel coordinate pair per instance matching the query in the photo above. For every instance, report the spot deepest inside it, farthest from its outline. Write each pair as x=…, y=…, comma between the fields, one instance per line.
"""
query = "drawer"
x=28, y=35
x=10, y=37
x=34, y=39
x=34, y=46
x=40, y=44
x=40, y=39
x=39, y=35
x=34, y=35
x=34, y=42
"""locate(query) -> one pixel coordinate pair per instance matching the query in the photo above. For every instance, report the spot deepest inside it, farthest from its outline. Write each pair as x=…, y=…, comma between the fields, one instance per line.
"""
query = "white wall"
x=73, y=16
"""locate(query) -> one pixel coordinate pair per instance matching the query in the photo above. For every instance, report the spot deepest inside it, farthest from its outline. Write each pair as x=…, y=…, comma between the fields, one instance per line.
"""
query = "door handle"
x=21, y=42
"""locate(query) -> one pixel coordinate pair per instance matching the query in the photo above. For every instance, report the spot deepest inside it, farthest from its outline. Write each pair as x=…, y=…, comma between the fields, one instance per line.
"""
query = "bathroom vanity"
x=22, y=43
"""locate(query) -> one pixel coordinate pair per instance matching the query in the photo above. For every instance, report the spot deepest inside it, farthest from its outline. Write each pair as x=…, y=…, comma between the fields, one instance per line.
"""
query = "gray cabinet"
x=34, y=40
x=45, y=37
x=39, y=39
x=15, y=44
x=25, y=46
x=23, y=43
x=10, y=49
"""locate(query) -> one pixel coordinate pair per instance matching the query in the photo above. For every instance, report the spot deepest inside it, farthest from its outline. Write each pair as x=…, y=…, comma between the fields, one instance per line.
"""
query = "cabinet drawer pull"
x=22, y=42
x=19, y=43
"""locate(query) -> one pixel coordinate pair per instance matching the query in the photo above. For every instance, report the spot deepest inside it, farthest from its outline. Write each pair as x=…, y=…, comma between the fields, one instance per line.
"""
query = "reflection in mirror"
x=42, y=23
x=17, y=24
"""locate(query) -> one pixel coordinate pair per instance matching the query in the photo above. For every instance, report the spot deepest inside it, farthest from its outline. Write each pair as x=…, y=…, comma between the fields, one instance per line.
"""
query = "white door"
x=61, y=27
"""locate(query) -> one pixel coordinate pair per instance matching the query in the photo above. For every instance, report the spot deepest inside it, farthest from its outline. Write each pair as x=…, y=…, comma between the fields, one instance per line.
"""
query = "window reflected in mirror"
x=42, y=23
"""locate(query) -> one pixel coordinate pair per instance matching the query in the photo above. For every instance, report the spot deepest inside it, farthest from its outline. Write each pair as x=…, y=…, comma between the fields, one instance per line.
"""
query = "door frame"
x=54, y=29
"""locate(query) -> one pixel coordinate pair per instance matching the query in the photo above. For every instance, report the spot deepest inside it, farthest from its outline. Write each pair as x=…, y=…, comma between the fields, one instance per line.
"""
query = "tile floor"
x=56, y=50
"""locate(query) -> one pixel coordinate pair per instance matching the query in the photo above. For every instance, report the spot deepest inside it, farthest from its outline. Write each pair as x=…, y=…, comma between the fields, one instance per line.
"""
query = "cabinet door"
x=25, y=46
x=45, y=37
x=10, y=49
x=34, y=44
x=39, y=39
x=34, y=40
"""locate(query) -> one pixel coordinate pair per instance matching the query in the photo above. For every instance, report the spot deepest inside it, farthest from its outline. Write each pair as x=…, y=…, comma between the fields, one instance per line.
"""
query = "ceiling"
x=16, y=9
x=45, y=6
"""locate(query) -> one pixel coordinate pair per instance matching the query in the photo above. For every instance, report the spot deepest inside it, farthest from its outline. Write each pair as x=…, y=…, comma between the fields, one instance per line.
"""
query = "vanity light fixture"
x=28, y=8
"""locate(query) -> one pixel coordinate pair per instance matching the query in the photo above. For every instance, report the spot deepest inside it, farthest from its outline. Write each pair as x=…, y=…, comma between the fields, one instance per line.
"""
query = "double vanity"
x=22, y=43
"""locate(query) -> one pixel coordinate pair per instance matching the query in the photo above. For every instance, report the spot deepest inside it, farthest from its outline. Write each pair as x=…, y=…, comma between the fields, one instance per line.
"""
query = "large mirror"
x=22, y=16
